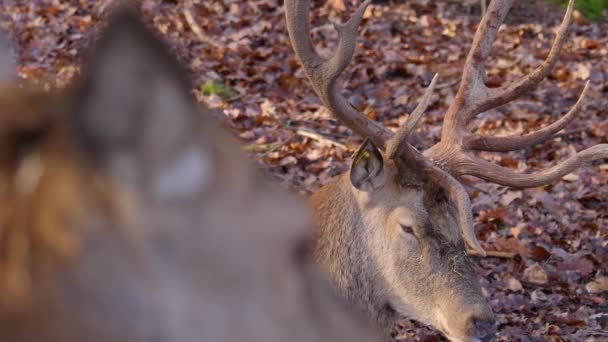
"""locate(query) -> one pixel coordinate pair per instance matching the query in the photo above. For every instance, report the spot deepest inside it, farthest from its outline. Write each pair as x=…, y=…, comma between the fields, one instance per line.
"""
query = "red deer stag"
x=128, y=214
x=392, y=231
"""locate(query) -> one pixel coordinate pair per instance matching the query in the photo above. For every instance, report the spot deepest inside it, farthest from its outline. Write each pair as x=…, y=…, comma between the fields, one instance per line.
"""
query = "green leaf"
x=212, y=87
x=591, y=9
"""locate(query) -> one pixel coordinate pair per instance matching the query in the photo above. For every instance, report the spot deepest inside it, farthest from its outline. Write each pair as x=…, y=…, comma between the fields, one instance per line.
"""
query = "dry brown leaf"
x=509, y=197
x=514, y=284
x=571, y=177
x=536, y=274
x=337, y=5
x=598, y=285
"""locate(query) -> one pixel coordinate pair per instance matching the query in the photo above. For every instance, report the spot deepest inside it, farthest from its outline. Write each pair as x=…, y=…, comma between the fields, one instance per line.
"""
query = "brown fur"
x=423, y=273
x=127, y=214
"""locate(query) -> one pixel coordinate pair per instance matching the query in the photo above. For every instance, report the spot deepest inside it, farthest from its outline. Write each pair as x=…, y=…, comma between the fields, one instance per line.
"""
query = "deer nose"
x=484, y=329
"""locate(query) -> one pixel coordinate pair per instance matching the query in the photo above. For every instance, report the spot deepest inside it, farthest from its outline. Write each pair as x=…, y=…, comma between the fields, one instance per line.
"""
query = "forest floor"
x=554, y=285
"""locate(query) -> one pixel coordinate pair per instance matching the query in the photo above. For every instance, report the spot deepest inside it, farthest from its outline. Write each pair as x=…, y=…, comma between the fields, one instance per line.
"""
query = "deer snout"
x=482, y=323
x=484, y=330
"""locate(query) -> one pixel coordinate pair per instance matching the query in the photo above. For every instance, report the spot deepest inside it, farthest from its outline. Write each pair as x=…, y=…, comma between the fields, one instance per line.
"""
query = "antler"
x=452, y=153
x=323, y=75
x=452, y=156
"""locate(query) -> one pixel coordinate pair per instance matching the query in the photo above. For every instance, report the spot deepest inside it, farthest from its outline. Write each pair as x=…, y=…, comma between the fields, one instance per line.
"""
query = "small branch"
x=308, y=133
x=495, y=254
x=196, y=29
x=449, y=83
x=316, y=136
x=262, y=148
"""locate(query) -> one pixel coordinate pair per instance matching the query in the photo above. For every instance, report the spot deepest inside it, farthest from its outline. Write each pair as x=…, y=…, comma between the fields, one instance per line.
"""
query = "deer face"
x=411, y=204
x=412, y=233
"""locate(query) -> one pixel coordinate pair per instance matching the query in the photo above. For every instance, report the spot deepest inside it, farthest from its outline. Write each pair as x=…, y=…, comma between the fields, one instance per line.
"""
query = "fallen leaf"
x=514, y=284
x=289, y=160
x=571, y=177
x=590, y=44
x=509, y=197
x=337, y=5
x=538, y=296
x=598, y=285
x=539, y=253
x=536, y=274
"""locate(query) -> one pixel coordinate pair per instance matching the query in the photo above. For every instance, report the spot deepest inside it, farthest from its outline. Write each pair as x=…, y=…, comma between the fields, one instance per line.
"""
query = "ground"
x=552, y=284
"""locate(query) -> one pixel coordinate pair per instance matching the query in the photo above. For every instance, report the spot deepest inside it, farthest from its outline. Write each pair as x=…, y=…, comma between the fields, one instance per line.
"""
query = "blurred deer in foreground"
x=392, y=231
x=127, y=214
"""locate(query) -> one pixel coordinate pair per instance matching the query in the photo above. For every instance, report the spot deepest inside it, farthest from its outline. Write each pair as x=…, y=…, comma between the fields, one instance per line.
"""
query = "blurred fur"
x=128, y=214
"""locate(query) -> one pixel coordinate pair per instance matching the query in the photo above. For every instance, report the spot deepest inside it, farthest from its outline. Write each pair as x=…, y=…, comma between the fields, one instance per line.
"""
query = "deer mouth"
x=477, y=326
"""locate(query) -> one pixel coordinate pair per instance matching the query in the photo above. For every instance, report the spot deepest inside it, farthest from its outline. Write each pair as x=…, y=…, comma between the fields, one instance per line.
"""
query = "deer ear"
x=366, y=167
x=133, y=88
x=7, y=60
x=134, y=107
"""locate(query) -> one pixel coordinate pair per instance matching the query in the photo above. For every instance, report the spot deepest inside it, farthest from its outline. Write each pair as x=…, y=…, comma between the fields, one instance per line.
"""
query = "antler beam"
x=452, y=153
x=323, y=74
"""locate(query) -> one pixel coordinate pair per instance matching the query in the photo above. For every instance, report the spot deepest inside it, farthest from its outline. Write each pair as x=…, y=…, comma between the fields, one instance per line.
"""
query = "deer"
x=392, y=232
x=129, y=214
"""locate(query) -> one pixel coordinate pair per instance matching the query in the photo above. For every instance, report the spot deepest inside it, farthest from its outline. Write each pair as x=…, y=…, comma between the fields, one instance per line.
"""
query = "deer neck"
x=342, y=250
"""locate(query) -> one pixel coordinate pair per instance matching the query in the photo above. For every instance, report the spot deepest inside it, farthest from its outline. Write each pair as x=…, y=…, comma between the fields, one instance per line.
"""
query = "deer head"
x=128, y=214
x=392, y=231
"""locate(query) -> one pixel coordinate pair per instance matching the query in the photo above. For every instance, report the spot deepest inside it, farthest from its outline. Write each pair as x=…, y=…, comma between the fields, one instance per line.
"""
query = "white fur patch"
x=188, y=175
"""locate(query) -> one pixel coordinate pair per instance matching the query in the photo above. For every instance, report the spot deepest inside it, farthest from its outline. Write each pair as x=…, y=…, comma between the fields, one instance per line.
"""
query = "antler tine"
x=474, y=96
x=497, y=174
x=504, y=94
x=474, y=70
x=510, y=143
x=472, y=89
x=323, y=74
x=394, y=146
x=452, y=153
x=465, y=209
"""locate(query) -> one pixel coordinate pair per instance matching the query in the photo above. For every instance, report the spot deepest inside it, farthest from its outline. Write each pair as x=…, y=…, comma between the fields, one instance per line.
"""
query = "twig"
x=449, y=83
x=262, y=148
x=495, y=254
x=306, y=132
x=196, y=29
x=314, y=135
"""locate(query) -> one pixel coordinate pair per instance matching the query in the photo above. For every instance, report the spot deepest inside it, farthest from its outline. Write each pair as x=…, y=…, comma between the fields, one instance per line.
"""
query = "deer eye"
x=407, y=229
